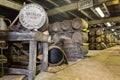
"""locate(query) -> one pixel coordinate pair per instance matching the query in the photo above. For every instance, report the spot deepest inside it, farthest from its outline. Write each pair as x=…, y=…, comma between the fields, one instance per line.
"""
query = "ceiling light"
x=108, y=24
x=103, y=29
x=99, y=11
x=112, y=29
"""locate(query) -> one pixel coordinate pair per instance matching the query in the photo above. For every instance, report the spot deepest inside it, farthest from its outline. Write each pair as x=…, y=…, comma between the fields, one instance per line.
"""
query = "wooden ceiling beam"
x=10, y=4
x=114, y=27
x=73, y=14
x=16, y=6
x=59, y=6
x=104, y=20
x=104, y=5
x=112, y=2
x=95, y=12
x=62, y=9
x=109, y=28
x=86, y=14
x=66, y=8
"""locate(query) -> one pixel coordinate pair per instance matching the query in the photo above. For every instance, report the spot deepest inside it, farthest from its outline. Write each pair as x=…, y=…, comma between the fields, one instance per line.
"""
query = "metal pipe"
x=16, y=18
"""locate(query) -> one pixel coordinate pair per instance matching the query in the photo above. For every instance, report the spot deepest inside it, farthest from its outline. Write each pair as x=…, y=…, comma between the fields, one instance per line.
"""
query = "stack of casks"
x=96, y=39
x=76, y=31
x=110, y=40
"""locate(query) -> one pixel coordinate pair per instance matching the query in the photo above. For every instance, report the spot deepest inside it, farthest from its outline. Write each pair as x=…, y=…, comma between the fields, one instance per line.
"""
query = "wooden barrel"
x=56, y=26
x=55, y=37
x=45, y=26
x=66, y=25
x=99, y=39
x=36, y=17
x=55, y=55
x=98, y=46
x=103, y=45
x=92, y=46
x=116, y=40
x=50, y=28
x=71, y=50
x=92, y=39
x=80, y=37
x=67, y=35
x=83, y=51
x=113, y=39
x=108, y=45
x=84, y=36
x=99, y=32
x=79, y=23
x=92, y=33
x=20, y=58
x=77, y=37
x=108, y=38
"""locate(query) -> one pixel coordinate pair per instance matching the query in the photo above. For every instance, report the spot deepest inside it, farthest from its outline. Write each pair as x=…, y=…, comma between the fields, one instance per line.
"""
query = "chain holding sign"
x=32, y=16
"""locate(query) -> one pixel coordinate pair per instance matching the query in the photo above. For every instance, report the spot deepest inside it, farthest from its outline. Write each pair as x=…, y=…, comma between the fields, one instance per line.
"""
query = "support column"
x=45, y=57
x=32, y=60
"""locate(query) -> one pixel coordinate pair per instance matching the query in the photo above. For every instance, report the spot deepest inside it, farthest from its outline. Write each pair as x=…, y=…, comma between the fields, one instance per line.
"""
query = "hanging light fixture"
x=108, y=24
x=115, y=33
x=99, y=11
x=112, y=29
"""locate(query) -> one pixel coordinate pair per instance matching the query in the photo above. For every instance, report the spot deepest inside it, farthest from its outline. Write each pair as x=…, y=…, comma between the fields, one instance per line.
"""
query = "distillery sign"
x=32, y=16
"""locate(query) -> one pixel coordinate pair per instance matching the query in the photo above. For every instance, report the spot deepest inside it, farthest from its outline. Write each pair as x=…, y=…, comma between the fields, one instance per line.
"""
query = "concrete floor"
x=99, y=65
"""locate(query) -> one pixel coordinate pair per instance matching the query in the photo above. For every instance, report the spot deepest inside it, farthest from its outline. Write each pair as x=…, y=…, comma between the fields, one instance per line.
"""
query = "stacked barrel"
x=80, y=36
x=98, y=40
x=110, y=40
x=76, y=30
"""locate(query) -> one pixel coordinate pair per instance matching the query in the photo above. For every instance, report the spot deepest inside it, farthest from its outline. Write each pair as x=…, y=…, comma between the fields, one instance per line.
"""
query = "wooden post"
x=32, y=60
x=45, y=57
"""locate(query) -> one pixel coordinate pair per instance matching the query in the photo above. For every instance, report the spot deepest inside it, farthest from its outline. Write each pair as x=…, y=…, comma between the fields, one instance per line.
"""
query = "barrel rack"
x=27, y=36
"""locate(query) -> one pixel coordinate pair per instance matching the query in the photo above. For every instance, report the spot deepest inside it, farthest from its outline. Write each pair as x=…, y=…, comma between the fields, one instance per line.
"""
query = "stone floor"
x=99, y=65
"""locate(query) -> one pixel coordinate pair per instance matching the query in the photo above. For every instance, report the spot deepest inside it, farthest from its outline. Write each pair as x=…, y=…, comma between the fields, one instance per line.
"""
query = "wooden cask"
x=55, y=37
x=92, y=46
x=99, y=32
x=92, y=40
x=45, y=26
x=83, y=51
x=66, y=25
x=103, y=46
x=80, y=37
x=50, y=28
x=55, y=55
x=99, y=39
x=107, y=38
x=98, y=46
x=70, y=49
x=92, y=33
x=79, y=23
x=77, y=37
x=56, y=26
x=84, y=36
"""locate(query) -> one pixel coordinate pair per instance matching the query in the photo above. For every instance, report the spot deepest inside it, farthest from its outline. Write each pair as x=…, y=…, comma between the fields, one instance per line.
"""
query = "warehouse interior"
x=59, y=39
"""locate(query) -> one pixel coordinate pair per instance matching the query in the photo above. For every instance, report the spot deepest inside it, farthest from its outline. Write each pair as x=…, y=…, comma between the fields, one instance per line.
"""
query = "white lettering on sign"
x=32, y=16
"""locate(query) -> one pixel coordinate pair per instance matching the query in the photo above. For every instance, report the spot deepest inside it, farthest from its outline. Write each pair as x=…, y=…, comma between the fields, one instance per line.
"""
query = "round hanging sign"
x=32, y=16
